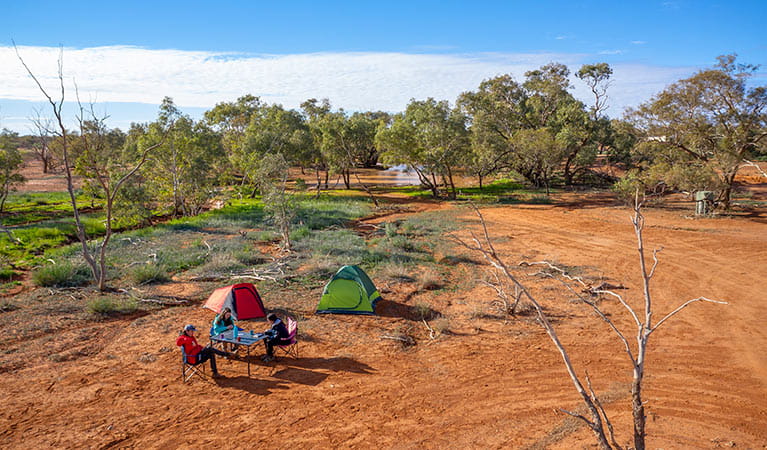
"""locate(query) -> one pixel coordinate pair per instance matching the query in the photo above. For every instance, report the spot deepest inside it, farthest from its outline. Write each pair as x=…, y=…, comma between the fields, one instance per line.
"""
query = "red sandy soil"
x=490, y=382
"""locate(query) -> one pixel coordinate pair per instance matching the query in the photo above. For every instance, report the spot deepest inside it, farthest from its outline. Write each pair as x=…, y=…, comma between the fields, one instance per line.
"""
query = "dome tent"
x=242, y=299
x=350, y=291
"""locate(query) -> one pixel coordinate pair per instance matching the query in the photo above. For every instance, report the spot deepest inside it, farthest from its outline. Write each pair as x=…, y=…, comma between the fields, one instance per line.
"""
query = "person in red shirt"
x=197, y=354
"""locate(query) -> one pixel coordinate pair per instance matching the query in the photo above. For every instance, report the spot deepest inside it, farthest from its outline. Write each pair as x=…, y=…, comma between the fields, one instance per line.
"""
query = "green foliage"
x=300, y=185
x=107, y=305
x=62, y=274
x=10, y=165
x=660, y=177
x=713, y=118
x=300, y=233
x=149, y=273
x=536, y=128
x=431, y=138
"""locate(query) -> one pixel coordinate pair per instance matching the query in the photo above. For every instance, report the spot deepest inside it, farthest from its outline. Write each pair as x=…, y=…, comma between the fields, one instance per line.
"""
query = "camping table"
x=246, y=338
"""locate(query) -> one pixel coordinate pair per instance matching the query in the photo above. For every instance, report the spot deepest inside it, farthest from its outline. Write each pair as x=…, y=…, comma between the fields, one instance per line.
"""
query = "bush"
x=397, y=272
x=300, y=233
x=110, y=305
x=430, y=279
x=390, y=228
x=63, y=274
x=7, y=273
x=149, y=273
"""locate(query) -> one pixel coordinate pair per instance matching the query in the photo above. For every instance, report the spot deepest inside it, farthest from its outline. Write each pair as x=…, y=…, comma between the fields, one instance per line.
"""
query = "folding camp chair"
x=290, y=349
x=189, y=370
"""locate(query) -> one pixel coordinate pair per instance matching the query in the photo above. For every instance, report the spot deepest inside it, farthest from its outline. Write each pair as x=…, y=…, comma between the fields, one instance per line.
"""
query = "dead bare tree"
x=98, y=166
x=42, y=135
x=598, y=419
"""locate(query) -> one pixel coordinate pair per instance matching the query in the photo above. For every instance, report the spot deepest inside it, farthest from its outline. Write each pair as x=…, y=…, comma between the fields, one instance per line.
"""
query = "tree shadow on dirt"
x=252, y=385
x=335, y=364
x=389, y=308
x=300, y=376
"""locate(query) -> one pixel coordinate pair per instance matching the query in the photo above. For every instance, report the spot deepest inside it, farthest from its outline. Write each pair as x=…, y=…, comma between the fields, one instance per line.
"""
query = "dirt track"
x=491, y=383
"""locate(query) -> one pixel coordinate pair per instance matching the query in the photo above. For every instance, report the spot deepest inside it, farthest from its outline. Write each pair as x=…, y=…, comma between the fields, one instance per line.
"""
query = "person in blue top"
x=222, y=323
x=277, y=334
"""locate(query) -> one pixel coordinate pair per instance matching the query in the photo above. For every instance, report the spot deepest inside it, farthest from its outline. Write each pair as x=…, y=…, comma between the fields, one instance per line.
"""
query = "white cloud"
x=638, y=42
x=611, y=52
x=353, y=81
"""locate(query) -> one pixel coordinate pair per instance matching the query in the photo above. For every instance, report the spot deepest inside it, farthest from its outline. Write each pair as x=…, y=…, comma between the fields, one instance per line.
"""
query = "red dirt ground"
x=488, y=383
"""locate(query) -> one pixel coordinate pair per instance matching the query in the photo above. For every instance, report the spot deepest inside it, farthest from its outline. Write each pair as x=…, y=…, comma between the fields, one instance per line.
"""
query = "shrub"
x=300, y=233
x=390, y=228
x=6, y=273
x=441, y=325
x=423, y=311
x=249, y=257
x=430, y=279
x=300, y=184
x=149, y=273
x=109, y=305
x=63, y=274
x=397, y=272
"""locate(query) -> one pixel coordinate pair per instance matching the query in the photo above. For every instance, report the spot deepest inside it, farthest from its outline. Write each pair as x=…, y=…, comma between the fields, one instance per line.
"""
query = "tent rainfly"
x=350, y=291
x=242, y=299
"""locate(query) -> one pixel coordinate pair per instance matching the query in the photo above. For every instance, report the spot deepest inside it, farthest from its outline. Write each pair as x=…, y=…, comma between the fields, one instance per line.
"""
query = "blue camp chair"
x=189, y=370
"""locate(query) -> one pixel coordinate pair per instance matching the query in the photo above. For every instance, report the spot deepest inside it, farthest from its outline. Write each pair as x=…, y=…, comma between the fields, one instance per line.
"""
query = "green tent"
x=350, y=291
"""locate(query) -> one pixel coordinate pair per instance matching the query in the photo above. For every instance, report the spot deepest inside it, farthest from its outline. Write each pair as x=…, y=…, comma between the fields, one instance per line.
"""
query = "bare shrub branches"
x=597, y=419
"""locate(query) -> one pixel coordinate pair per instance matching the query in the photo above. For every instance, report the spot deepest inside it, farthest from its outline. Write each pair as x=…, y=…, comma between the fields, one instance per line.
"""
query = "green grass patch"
x=62, y=274
x=149, y=273
x=108, y=305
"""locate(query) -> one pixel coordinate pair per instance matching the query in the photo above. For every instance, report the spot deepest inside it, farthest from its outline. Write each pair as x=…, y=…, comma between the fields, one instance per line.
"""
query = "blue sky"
x=126, y=56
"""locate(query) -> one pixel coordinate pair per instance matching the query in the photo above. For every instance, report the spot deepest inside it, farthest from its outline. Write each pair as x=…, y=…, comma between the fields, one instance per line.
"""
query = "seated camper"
x=223, y=322
x=277, y=334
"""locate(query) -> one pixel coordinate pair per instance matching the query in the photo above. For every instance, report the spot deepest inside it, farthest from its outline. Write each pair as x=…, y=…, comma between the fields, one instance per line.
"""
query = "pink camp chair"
x=292, y=348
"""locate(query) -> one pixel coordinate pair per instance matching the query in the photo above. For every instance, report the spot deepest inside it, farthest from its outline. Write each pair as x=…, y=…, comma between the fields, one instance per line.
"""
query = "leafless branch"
x=561, y=271
x=432, y=333
x=684, y=305
x=655, y=261
x=756, y=166
x=577, y=416
x=600, y=313
x=596, y=401
x=486, y=248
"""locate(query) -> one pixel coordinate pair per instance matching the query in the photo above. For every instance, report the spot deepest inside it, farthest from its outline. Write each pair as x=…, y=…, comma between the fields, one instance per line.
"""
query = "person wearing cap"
x=197, y=354
x=277, y=334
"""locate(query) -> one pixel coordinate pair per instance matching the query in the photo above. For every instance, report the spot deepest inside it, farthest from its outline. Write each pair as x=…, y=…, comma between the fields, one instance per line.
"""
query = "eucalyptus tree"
x=314, y=112
x=183, y=170
x=431, y=138
x=10, y=165
x=497, y=111
x=597, y=77
x=231, y=119
x=503, y=111
x=273, y=130
x=347, y=142
x=551, y=105
x=107, y=166
x=713, y=119
x=279, y=203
